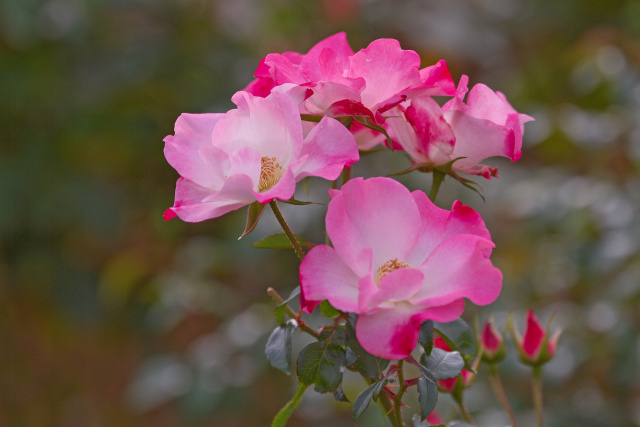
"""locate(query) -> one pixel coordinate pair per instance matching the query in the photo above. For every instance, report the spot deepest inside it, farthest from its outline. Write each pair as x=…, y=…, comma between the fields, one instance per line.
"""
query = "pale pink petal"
x=192, y=131
x=378, y=213
x=437, y=225
x=323, y=276
x=283, y=190
x=398, y=285
x=386, y=68
x=478, y=139
x=392, y=333
x=326, y=150
x=246, y=161
x=194, y=203
x=269, y=125
x=460, y=268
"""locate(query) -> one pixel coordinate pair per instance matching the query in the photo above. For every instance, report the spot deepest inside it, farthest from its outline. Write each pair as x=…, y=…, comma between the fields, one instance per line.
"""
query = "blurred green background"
x=111, y=317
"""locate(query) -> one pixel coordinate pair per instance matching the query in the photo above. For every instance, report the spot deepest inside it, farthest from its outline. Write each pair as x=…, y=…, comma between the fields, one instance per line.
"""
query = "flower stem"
x=281, y=418
x=498, y=389
x=287, y=230
x=275, y=296
x=397, y=403
x=438, y=178
x=387, y=408
x=464, y=412
x=536, y=382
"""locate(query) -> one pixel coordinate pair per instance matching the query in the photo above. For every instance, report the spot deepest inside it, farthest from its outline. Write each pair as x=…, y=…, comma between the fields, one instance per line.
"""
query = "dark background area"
x=110, y=316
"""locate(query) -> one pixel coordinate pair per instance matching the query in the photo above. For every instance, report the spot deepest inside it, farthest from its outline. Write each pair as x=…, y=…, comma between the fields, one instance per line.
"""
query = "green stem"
x=438, y=177
x=287, y=230
x=397, y=403
x=498, y=389
x=278, y=300
x=464, y=412
x=536, y=382
x=281, y=418
x=387, y=408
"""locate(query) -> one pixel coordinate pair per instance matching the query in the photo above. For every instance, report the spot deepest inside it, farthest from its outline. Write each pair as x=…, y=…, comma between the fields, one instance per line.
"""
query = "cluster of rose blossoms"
x=395, y=259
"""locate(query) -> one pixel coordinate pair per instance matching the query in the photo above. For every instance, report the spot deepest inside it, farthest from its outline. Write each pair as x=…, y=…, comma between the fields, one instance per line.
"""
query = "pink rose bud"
x=492, y=343
x=435, y=419
x=536, y=348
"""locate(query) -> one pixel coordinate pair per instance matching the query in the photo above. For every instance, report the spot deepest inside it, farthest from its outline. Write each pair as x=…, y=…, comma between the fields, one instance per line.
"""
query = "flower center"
x=388, y=267
x=270, y=173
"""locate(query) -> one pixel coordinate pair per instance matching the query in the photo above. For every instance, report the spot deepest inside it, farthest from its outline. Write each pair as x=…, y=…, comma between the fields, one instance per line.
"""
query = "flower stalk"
x=498, y=390
x=292, y=238
x=536, y=382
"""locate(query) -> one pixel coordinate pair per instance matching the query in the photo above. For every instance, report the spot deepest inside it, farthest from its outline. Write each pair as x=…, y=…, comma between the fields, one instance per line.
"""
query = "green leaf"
x=278, y=349
x=282, y=308
x=428, y=397
x=253, y=215
x=427, y=374
x=425, y=338
x=367, y=364
x=338, y=395
x=293, y=201
x=328, y=311
x=319, y=364
x=458, y=335
x=334, y=335
x=278, y=241
x=443, y=364
x=362, y=401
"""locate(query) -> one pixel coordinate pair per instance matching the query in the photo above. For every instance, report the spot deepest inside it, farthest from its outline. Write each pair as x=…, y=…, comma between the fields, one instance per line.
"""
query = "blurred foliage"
x=111, y=316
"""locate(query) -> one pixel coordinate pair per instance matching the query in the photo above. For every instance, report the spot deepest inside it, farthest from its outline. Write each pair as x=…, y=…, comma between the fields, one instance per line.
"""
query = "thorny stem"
x=387, y=407
x=438, y=177
x=287, y=230
x=398, y=400
x=278, y=300
x=536, y=382
x=498, y=389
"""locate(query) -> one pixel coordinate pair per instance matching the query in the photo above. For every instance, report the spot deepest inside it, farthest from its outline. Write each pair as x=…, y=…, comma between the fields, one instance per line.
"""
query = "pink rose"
x=256, y=152
x=397, y=260
x=344, y=83
x=486, y=126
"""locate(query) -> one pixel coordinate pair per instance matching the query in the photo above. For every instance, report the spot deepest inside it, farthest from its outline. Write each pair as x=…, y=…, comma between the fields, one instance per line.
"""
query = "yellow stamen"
x=388, y=267
x=270, y=173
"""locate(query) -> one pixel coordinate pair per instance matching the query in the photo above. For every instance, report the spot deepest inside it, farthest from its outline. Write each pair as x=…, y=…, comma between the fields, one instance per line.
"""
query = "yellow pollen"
x=388, y=267
x=270, y=173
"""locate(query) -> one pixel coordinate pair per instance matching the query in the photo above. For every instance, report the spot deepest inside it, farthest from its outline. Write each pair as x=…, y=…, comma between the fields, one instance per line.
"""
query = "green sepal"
x=293, y=201
x=366, y=122
x=316, y=118
x=282, y=308
x=254, y=212
x=328, y=311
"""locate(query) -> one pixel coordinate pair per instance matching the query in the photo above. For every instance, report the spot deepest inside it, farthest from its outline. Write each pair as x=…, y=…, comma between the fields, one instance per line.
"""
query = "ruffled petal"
x=398, y=285
x=323, y=276
x=437, y=225
x=339, y=48
x=386, y=68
